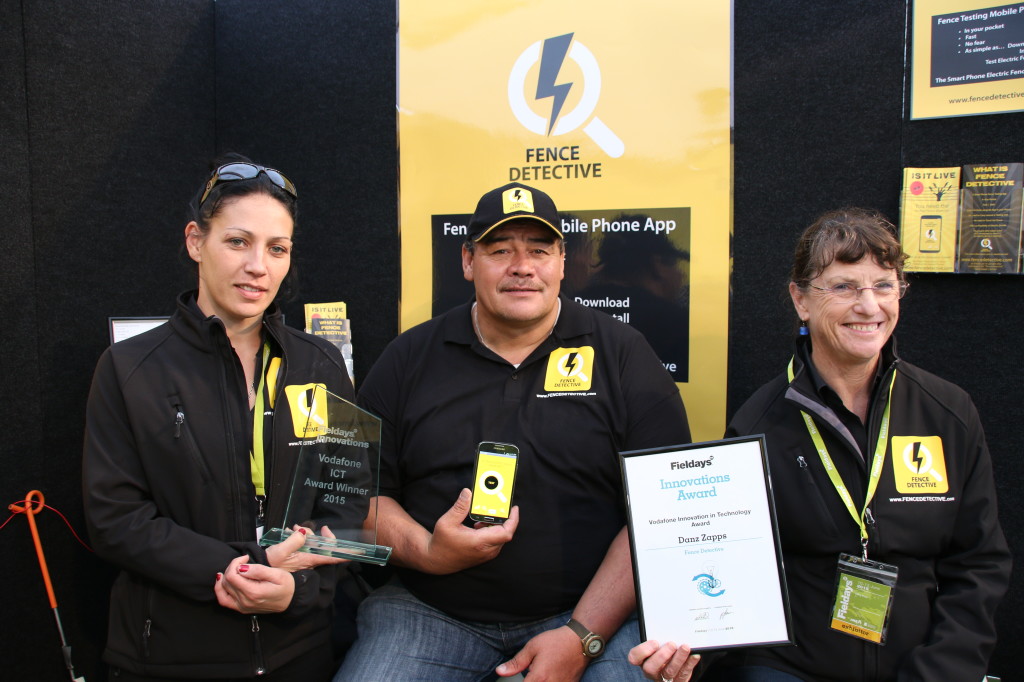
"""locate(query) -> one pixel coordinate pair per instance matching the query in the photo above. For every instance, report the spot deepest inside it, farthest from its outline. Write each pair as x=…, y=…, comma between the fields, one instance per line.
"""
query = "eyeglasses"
x=230, y=172
x=846, y=291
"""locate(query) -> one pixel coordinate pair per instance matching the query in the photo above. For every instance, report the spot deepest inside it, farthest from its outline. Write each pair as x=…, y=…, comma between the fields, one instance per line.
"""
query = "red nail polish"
x=218, y=577
x=302, y=530
x=243, y=568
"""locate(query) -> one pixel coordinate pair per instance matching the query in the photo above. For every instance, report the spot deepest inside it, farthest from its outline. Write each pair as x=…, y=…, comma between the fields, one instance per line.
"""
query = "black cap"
x=514, y=201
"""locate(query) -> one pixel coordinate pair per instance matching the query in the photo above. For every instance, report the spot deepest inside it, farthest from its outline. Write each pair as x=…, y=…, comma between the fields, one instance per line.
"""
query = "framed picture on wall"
x=122, y=328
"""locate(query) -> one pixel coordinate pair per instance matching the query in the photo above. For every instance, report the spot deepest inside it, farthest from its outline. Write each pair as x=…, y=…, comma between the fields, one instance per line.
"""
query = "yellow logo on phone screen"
x=570, y=369
x=308, y=403
x=919, y=465
x=494, y=480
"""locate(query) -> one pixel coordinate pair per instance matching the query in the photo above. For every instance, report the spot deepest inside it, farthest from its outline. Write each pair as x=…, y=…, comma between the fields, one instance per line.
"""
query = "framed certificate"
x=706, y=556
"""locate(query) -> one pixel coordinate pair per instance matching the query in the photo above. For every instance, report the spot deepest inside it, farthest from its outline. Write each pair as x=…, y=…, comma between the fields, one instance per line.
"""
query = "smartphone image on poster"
x=493, y=482
x=931, y=233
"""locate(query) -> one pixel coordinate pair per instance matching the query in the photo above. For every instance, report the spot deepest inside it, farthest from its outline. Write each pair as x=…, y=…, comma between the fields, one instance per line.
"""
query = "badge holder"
x=864, y=593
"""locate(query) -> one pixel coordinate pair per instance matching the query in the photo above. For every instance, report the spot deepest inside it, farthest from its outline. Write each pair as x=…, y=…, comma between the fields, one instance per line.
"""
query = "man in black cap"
x=549, y=589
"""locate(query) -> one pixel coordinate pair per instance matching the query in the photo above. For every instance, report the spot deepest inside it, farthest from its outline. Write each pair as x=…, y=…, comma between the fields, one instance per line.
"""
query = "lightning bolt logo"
x=916, y=457
x=552, y=58
x=517, y=194
x=570, y=363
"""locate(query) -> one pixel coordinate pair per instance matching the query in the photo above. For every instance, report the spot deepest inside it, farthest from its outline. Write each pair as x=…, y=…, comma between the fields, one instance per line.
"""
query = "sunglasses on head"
x=230, y=172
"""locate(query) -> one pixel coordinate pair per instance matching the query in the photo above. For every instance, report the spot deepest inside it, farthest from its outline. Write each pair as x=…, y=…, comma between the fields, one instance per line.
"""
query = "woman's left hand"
x=668, y=663
x=254, y=588
x=286, y=555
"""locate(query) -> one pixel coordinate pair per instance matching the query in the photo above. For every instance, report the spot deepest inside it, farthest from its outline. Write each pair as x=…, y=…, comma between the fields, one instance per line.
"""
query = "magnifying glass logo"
x=920, y=461
x=596, y=129
x=986, y=244
x=493, y=483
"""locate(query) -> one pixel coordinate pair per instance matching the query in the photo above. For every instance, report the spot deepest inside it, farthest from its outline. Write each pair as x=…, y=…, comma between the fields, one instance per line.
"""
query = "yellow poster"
x=621, y=112
x=928, y=218
x=967, y=59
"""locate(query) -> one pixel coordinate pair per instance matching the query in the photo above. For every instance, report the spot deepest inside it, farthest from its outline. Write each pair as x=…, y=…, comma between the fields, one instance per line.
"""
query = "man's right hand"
x=453, y=546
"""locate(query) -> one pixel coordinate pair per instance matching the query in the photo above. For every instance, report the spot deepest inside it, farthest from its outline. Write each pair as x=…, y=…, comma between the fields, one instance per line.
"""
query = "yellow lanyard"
x=256, y=460
x=833, y=475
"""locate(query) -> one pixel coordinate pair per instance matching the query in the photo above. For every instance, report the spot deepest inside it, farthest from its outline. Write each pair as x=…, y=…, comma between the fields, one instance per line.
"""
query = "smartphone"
x=931, y=233
x=493, y=482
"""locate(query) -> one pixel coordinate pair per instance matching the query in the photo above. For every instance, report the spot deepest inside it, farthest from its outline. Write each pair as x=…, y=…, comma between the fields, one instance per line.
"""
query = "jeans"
x=402, y=639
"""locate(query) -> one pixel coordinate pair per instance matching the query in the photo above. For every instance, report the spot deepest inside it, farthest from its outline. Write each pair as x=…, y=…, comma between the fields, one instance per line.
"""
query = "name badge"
x=864, y=592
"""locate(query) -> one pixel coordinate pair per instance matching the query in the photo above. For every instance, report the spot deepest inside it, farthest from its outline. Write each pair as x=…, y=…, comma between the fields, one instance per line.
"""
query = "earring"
x=804, y=331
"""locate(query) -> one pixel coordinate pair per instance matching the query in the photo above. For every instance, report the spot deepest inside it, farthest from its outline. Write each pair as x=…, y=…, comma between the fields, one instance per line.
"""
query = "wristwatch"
x=593, y=643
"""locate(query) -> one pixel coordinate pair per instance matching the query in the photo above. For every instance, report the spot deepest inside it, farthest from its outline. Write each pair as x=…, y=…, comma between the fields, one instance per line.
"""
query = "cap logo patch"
x=517, y=199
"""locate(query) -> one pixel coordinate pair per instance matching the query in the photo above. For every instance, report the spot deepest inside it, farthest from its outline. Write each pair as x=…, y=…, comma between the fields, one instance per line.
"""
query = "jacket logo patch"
x=308, y=403
x=570, y=369
x=919, y=465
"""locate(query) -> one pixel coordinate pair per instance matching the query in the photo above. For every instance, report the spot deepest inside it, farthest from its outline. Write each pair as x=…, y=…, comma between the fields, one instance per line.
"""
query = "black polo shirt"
x=591, y=389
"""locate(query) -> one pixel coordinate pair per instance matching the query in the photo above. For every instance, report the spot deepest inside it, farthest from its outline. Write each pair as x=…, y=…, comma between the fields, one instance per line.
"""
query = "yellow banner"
x=622, y=113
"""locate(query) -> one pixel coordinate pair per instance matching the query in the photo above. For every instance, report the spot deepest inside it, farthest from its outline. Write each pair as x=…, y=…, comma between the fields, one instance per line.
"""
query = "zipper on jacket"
x=190, y=442
x=145, y=637
x=869, y=523
x=272, y=468
x=813, y=494
x=872, y=653
x=147, y=626
x=257, y=647
x=232, y=400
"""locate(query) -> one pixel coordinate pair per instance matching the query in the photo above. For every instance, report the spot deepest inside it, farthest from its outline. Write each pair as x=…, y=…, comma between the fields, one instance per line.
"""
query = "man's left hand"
x=552, y=656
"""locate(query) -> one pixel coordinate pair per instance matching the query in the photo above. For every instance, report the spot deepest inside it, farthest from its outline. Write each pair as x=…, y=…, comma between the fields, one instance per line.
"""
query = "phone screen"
x=493, y=482
x=931, y=231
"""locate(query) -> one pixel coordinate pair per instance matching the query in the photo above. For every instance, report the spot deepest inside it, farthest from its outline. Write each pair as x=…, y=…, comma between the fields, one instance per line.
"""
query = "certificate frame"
x=121, y=328
x=707, y=561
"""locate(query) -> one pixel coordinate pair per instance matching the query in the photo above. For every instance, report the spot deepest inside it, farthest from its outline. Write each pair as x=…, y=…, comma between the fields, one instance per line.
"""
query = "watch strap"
x=579, y=628
x=591, y=642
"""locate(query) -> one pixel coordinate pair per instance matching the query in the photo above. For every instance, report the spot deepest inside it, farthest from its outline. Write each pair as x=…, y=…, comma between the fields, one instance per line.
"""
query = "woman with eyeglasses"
x=893, y=554
x=189, y=453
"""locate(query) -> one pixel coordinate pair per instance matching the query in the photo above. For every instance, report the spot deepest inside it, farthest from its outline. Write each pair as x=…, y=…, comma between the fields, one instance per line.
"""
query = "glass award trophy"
x=335, y=480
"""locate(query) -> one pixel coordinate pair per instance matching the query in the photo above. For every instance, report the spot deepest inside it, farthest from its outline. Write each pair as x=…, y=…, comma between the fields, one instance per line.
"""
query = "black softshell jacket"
x=169, y=496
x=954, y=564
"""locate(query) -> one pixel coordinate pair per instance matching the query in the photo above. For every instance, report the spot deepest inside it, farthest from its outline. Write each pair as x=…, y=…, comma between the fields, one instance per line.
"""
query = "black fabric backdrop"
x=111, y=111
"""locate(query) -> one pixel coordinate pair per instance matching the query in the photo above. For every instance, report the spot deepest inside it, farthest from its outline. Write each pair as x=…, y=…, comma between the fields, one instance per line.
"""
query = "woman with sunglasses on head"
x=189, y=452
x=882, y=482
